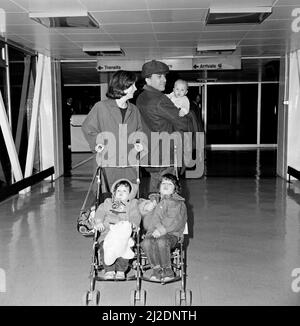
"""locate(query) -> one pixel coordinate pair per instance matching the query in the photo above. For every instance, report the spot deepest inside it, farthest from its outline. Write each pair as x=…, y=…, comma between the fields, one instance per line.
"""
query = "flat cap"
x=154, y=67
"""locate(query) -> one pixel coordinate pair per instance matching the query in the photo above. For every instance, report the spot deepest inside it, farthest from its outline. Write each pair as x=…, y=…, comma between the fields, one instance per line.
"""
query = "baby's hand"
x=182, y=113
x=155, y=234
x=100, y=226
x=150, y=206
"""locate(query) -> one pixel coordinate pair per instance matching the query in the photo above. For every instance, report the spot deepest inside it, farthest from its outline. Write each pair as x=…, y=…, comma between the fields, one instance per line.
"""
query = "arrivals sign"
x=217, y=63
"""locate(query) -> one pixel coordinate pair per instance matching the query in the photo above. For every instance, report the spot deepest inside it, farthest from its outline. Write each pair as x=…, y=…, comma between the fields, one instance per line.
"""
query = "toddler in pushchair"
x=114, y=240
x=164, y=220
x=115, y=228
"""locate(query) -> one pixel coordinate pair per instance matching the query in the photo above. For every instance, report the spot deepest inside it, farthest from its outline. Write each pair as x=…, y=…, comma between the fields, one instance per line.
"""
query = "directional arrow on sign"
x=195, y=66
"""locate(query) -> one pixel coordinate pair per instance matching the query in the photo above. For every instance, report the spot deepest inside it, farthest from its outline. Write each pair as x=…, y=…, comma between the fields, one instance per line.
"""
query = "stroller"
x=139, y=264
x=183, y=296
x=85, y=226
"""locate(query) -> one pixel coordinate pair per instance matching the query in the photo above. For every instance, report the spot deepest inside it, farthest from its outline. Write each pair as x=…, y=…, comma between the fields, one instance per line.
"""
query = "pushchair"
x=85, y=226
x=139, y=264
x=183, y=296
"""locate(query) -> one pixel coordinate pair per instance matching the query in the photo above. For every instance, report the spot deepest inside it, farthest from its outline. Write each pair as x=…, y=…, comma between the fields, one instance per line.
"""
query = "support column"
x=293, y=137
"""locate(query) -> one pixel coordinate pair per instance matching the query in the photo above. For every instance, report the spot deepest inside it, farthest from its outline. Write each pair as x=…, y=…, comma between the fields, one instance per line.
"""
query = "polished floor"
x=244, y=243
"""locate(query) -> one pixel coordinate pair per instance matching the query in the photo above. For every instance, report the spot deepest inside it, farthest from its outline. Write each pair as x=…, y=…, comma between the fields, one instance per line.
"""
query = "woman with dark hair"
x=115, y=116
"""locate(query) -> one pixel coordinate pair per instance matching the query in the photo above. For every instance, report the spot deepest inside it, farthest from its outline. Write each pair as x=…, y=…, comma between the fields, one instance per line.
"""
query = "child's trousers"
x=158, y=250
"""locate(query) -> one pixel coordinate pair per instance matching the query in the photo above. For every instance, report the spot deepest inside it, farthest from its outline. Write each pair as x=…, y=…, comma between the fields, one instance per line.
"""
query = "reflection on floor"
x=244, y=243
x=246, y=163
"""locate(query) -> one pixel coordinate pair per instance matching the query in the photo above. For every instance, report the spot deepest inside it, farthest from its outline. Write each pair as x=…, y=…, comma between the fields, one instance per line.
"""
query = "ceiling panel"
x=226, y=35
x=178, y=15
x=108, y=5
x=34, y=29
x=282, y=13
x=89, y=37
x=53, y=5
x=150, y=27
x=278, y=33
x=133, y=37
x=260, y=42
x=287, y=3
x=177, y=27
x=178, y=36
x=10, y=6
x=273, y=24
x=241, y=3
x=119, y=17
x=128, y=28
x=18, y=19
x=172, y=4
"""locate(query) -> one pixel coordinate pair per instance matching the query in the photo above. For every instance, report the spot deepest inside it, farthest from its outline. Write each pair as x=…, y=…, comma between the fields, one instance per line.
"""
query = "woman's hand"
x=138, y=147
x=99, y=148
x=156, y=234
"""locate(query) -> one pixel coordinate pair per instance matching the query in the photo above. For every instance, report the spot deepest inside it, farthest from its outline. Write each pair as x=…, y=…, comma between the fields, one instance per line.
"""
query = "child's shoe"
x=156, y=274
x=109, y=275
x=120, y=275
x=167, y=274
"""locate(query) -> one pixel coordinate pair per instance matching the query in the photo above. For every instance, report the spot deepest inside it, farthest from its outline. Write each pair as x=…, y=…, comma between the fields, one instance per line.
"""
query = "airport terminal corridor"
x=244, y=243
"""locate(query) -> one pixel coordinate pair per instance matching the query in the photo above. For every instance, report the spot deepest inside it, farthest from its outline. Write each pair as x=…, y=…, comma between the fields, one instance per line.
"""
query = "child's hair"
x=173, y=179
x=122, y=183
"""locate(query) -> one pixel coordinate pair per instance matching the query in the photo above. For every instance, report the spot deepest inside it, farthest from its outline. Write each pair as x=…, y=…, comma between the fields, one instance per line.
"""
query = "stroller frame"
x=183, y=296
x=92, y=296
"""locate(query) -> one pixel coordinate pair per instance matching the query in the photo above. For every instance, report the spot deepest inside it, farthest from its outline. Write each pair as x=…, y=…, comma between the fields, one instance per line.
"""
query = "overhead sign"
x=208, y=63
x=104, y=65
x=217, y=63
x=178, y=64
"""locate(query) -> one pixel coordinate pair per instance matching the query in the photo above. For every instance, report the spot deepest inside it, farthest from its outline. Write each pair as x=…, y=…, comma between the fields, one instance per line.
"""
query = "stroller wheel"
x=138, y=298
x=95, y=298
x=133, y=297
x=91, y=298
x=86, y=298
x=183, y=298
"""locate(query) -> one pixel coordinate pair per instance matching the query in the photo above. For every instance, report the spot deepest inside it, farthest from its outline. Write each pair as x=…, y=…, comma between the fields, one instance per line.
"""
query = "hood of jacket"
x=134, y=187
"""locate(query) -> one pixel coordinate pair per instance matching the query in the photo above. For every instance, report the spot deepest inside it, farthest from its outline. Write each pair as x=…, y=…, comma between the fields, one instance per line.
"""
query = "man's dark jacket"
x=160, y=114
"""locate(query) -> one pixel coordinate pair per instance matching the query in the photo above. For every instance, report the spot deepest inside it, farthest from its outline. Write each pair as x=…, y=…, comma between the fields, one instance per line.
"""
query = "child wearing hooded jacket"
x=164, y=219
x=121, y=207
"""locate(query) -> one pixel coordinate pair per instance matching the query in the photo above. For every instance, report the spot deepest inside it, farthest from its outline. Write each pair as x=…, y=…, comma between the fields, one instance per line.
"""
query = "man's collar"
x=151, y=89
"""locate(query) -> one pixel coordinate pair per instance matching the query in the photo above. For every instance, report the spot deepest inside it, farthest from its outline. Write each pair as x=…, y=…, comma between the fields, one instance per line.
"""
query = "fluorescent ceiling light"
x=82, y=19
x=103, y=51
x=247, y=15
x=216, y=48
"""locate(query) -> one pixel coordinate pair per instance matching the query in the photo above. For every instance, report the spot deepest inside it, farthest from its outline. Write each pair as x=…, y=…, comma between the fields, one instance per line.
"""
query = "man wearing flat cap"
x=159, y=114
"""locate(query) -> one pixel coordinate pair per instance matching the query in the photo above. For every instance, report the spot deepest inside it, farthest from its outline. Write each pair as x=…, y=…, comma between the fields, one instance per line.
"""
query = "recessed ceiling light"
x=82, y=19
x=251, y=15
x=216, y=48
x=103, y=51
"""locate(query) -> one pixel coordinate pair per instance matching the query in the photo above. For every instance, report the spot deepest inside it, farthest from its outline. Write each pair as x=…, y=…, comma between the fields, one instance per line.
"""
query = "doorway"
x=240, y=124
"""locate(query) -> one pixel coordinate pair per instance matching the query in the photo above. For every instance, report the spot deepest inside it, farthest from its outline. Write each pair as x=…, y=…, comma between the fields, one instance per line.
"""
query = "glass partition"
x=231, y=114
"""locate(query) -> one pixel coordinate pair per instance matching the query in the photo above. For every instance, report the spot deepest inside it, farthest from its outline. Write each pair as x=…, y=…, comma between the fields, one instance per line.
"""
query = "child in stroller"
x=164, y=219
x=121, y=207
